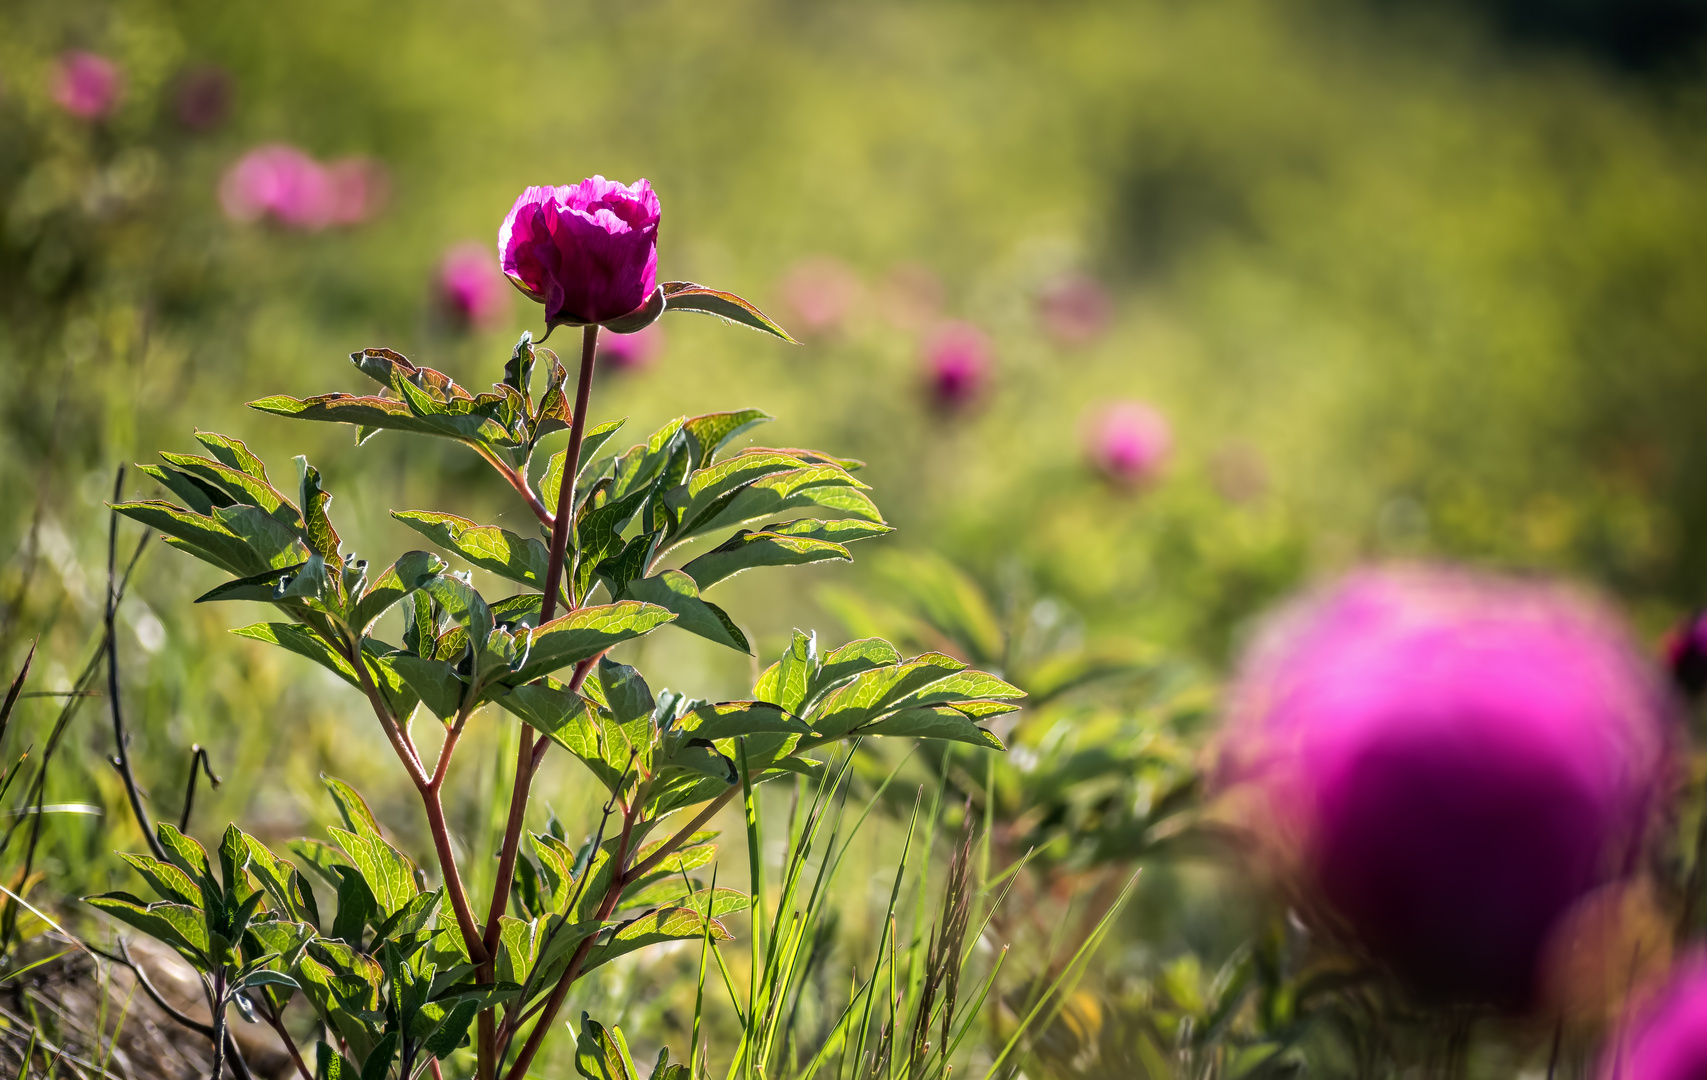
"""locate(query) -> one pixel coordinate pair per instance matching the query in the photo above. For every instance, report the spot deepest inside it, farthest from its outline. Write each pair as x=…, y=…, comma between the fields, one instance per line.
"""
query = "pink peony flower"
x=357, y=189
x=957, y=364
x=470, y=286
x=204, y=97
x=86, y=85
x=1664, y=1038
x=278, y=182
x=588, y=252
x=1076, y=309
x=1129, y=441
x=1449, y=762
x=821, y=290
x=630, y=352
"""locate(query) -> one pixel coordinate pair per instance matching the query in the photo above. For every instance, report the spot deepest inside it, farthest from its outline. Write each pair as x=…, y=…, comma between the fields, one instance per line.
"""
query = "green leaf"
x=842, y=664
x=727, y=719
x=785, y=682
x=549, y=707
x=710, y=490
x=687, y=296
x=198, y=494
x=623, y=691
x=452, y=1030
x=321, y=857
x=189, y=856
x=379, y=1059
x=232, y=452
x=389, y=874
x=463, y=604
x=653, y=928
x=399, y=580
x=602, y=1055
x=713, y=431
x=872, y=693
x=356, y=906
x=517, y=948
x=202, y=536
x=434, y=681
x=177, y=925
x=823, y=487
x=598, y=534
x=304, y=642
x=675, y=591
x=717, y=902
x=964, y=686
x=167, y=880
x=267, y=587
x=551, y=483
x=938, y=723
x=331, y=1065
x=284, y=884
x=490, y=548
x=239, y=486
x=746, y=550
x=585, y=633
x=842, y=531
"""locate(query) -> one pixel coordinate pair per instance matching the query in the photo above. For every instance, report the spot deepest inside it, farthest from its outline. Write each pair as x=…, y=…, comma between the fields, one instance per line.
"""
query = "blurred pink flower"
x=820, y=290
x=358, y=188
x=86, y=85
x=204, y=97
x=630, y=352
x=1664, y=1037
x=471, y=287
x=587, y=251
x=278, y=182
x=1076, y=309
x=957, y=364
x=1129, y=441
x=1450, y=762
x=286, y=185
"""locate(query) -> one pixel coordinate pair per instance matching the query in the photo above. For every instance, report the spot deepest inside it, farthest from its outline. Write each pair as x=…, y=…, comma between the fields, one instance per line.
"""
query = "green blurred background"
x=1407, y=280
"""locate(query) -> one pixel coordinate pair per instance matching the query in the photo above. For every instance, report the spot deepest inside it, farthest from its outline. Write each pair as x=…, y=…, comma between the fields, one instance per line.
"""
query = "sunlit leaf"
x=675, y=591
x=489, y=547
x=687, y=296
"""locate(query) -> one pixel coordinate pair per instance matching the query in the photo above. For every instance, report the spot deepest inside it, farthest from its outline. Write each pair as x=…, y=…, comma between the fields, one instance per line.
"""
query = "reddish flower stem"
x=526, y=749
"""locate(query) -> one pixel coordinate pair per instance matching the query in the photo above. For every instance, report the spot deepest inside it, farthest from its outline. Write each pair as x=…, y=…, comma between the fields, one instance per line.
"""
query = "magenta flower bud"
x=957, y=364
x=588, y=252
x=1447, y=763
x=281, y=183
x=204, y=97
x=86, y=85
x=1076, y=309
x=1129, y=441
x=630, y=352
x=820, y=291
x=470, y=286
x=1664, y=1037
x=1686, y=654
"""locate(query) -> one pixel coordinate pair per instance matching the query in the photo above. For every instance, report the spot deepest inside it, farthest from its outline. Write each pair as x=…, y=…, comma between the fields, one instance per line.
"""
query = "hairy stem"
x=518, y=481
x=526, y=748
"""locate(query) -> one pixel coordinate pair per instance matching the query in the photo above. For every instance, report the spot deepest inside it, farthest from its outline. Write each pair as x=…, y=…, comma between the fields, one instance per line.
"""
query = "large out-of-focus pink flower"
x=1076, y=309
x=1129, y=442
x=1449, y=762
x=286, y=185
x=86, y=85
x=1664, y=1037
x=957, y=364
x=821, y=291
x=470, y=286
x=630, y=352
x=587, y=251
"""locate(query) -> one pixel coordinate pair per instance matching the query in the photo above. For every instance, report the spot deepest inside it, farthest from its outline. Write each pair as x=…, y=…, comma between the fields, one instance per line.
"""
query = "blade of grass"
x=1090, y=943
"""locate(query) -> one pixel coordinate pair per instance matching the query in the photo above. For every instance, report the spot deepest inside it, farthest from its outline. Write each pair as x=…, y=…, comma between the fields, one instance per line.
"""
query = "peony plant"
x=402, y=970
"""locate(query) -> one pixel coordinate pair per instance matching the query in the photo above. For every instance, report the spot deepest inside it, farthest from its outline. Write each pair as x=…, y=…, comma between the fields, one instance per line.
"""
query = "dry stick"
x=198, y=756
x=526, y=749
x=226, y=1047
